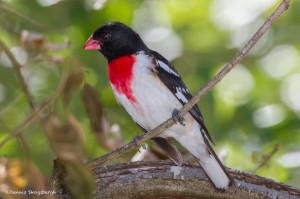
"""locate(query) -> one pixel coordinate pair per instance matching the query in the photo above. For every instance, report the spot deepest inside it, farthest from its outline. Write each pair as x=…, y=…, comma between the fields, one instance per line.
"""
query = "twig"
x=266, y=158
x=29, y=20
x=36, y=113
x=17, y=131
x=24, y=86
x=17, y=68
x=10, y=105
x=23, y=146
x=162, y=127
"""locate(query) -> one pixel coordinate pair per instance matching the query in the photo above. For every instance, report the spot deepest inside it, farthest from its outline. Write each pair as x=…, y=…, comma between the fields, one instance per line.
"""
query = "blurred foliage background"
x=253, y=114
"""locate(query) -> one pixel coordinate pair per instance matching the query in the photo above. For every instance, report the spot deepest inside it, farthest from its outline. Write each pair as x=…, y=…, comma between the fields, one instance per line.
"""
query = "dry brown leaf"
x=94, y=109
x=73, y=82
x=37, y=42
x=66, y=138
x=33, y=40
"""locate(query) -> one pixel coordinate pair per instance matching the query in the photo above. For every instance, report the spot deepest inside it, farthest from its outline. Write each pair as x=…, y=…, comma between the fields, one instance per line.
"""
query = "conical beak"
x=92, y=44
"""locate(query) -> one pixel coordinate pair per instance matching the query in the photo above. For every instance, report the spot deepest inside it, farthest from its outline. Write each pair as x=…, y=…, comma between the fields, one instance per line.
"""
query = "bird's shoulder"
x=170, y=77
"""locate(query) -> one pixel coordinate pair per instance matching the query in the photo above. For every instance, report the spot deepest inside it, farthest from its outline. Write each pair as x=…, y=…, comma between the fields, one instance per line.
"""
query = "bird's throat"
x=120, y=72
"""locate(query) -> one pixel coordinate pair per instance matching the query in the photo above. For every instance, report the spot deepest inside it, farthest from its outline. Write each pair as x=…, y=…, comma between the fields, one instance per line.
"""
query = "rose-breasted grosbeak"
x=150, y=89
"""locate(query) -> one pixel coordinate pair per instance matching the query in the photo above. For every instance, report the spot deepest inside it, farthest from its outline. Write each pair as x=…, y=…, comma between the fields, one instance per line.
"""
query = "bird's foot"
x=177, y=118
x=136, y=144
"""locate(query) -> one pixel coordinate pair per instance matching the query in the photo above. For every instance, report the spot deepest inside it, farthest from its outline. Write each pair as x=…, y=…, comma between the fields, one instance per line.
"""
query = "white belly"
x=154, y=101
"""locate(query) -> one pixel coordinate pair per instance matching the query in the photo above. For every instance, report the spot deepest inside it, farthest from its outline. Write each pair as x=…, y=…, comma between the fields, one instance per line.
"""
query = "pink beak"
x=92, y=44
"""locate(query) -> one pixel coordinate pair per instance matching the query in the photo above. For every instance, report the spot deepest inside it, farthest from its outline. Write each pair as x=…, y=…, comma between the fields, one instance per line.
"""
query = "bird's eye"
x=105, y=37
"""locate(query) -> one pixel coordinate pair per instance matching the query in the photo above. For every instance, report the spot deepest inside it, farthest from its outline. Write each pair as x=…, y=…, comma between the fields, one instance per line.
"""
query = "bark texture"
x=163, y=179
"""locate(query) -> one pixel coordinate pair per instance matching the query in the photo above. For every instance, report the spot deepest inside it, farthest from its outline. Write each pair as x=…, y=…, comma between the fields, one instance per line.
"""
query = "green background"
x=254, y=108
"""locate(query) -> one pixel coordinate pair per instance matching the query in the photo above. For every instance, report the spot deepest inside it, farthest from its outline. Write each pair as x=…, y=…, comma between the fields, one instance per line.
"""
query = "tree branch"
x=162, y=127
x=164, y=179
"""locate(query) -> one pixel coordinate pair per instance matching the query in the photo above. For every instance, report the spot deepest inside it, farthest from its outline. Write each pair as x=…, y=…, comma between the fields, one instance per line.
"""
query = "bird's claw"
x=144, y=146
x=134, y=140
x=177, y=118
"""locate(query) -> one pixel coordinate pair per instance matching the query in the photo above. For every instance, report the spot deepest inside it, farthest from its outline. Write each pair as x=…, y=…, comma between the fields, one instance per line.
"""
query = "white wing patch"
x=166, y=68
x=180, y=96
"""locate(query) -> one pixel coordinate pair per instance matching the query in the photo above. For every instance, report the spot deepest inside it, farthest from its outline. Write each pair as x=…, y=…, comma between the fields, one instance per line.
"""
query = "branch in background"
x=161, y=128
x=164, y=179
x=65, y=138
x=36, y=111
x=32, y=171
x=17, y=131
x=17, y=68
x=28, y=19
x=266, y=158
x=10, y=105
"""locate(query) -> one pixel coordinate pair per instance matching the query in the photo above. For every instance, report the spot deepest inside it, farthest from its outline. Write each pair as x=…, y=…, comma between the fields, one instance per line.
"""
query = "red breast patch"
x=120, y=72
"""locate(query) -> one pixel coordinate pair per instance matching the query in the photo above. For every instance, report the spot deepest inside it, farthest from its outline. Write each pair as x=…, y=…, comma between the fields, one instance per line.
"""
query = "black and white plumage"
x=170, y=77
x=150, y=89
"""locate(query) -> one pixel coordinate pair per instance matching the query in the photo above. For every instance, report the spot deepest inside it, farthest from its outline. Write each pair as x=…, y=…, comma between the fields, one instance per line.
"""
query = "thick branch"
x=163, y=179
x=161, y=128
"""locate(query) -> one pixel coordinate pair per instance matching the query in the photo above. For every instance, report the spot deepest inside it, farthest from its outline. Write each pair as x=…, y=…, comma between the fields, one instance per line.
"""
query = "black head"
x=114, y=40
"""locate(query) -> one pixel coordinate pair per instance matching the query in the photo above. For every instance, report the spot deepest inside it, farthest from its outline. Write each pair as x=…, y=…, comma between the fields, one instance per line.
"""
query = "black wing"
x=169, y=76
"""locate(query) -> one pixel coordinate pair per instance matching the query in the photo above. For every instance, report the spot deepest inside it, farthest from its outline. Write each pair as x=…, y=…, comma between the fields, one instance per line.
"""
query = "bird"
x=151, y=91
